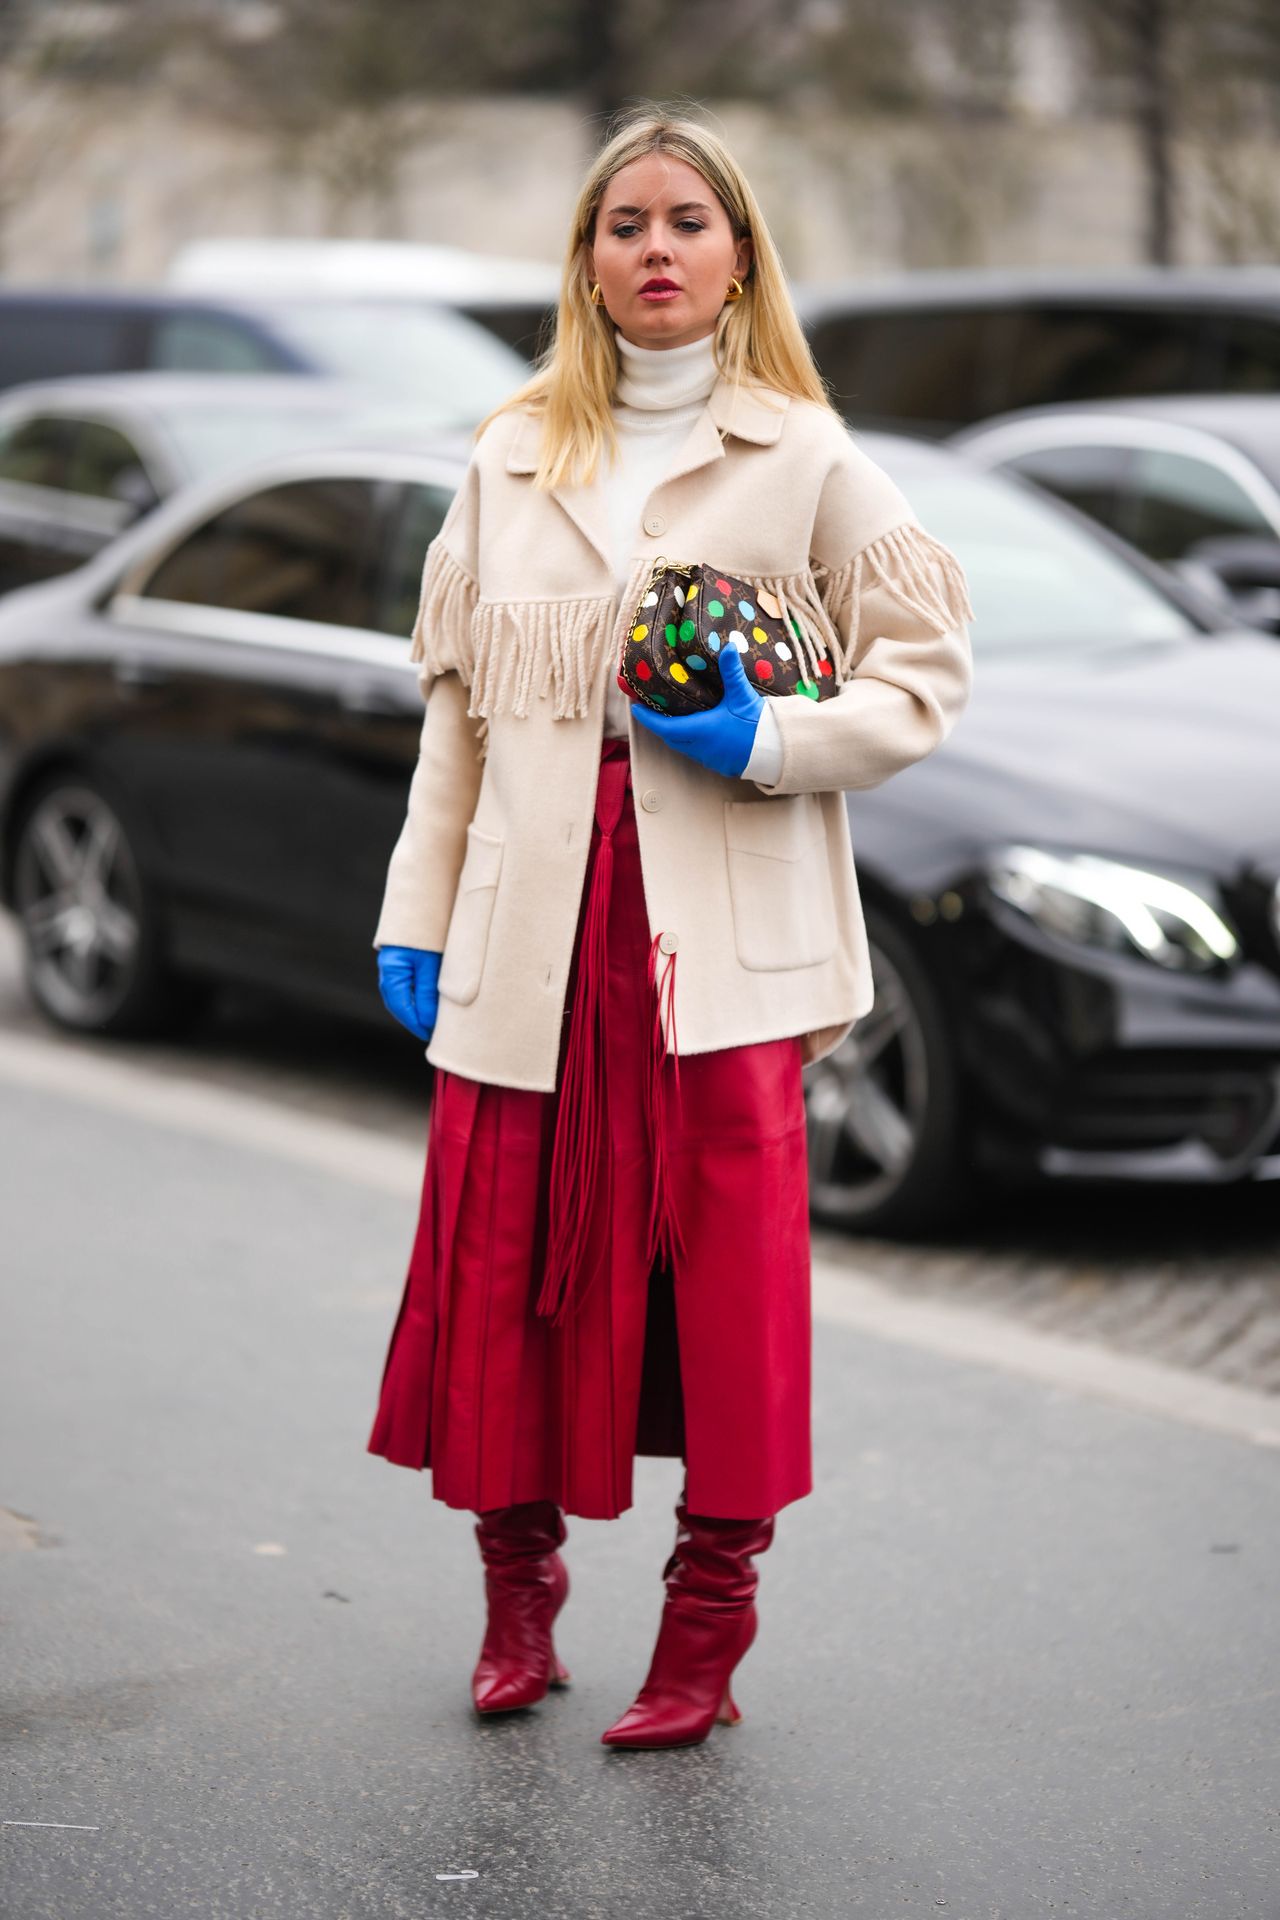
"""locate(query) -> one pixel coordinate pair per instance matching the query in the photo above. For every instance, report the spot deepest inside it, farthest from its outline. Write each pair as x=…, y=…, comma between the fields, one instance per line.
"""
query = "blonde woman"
x=623, y=934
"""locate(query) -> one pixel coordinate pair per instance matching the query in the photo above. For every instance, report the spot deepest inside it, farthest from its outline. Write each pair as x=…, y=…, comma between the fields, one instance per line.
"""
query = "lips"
x=659, y=286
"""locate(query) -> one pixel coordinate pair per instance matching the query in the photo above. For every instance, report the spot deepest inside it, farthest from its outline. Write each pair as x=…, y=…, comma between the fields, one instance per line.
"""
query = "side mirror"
x=1242, y=569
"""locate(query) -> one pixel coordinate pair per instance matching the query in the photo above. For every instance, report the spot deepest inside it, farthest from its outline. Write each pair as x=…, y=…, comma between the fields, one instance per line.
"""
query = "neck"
x=659, y=378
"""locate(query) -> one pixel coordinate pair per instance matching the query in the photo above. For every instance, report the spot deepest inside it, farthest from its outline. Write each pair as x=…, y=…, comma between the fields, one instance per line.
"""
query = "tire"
x=89, y=919
x=885, y=1151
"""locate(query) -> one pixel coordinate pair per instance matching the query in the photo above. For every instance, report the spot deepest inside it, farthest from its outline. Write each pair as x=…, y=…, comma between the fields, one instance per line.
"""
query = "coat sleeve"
x=897, y=610
x=426, y=861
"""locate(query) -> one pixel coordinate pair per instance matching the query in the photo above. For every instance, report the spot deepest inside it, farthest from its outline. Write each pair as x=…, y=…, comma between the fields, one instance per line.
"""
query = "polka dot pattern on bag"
x=688, y=616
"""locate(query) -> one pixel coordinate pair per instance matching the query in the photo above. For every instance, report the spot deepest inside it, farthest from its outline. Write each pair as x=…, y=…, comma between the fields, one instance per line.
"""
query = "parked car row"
x=208, y=718
x=1073, y=906
x=925, y=353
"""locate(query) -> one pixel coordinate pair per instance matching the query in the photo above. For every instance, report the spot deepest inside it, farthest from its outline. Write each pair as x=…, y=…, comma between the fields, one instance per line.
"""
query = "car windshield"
x=430, y=357
x=1038, y=582
x=211, y=436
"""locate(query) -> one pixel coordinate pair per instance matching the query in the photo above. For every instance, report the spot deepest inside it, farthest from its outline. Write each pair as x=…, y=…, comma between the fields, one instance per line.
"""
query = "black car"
x=1073, y=905
x=80, y=460
x=431, y=358
x=930, y=352
x=1193, y=480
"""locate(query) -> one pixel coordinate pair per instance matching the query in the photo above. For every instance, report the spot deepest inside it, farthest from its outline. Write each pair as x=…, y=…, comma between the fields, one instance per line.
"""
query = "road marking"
x=70, y=1826
x=841, y=1296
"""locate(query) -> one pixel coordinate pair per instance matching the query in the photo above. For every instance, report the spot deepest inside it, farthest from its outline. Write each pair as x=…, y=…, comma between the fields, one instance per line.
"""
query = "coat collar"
x=754, y=413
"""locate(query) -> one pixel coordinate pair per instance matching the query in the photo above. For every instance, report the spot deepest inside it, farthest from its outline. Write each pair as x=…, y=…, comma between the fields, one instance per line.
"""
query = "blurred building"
x=1017, y=133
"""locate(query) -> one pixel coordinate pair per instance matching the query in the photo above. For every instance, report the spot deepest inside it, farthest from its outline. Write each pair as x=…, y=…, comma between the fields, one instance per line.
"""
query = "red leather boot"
x=525, y=1582
x=708, y=1622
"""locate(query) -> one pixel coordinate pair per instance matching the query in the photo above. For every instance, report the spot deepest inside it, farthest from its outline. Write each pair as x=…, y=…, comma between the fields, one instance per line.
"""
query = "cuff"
x=765, y=762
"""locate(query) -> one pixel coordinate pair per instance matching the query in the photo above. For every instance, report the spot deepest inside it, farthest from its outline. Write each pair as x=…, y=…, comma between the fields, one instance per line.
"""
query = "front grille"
x=1138, y=1101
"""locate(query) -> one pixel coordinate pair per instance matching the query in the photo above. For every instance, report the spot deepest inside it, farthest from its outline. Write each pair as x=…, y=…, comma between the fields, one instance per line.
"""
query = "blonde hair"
x=757, y=338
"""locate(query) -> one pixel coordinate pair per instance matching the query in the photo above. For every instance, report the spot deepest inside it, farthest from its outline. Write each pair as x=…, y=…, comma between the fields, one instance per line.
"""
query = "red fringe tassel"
x=582, y=1114
x=664, y=1227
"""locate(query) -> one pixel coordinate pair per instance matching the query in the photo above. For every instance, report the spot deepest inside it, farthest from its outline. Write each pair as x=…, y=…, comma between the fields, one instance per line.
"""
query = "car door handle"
x=131, y=670
x=367, y=698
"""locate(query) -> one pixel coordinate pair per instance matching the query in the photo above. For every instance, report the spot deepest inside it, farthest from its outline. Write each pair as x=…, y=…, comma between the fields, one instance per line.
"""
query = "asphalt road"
x=1019, y=1653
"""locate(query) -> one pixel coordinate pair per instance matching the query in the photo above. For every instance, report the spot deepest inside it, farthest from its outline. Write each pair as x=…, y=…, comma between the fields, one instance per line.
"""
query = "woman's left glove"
x=723, y=736
x=407, y=978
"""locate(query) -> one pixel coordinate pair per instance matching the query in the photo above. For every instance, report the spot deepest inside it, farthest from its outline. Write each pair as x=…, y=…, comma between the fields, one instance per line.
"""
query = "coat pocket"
x=780, y=882
x=467, y=938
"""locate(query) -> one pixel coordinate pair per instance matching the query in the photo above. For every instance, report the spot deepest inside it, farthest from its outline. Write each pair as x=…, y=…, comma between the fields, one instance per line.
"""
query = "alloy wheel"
x=78, y=898
x=867, y=1103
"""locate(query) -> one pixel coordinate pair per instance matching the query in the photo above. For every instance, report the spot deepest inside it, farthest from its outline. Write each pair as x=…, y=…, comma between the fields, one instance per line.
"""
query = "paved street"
x=1018, y=1654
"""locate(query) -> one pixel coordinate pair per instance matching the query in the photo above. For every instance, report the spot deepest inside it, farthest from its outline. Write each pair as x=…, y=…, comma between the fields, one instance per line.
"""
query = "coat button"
x=651, y=799
x=667, y=943
x=655, y=524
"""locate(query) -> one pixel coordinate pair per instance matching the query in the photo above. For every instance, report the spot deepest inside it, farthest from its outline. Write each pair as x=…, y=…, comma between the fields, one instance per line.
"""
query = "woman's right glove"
x=407, y=978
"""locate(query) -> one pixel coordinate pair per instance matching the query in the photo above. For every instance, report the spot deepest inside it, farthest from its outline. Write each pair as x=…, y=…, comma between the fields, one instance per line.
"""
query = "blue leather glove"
x=723, y=736
x=407, y=978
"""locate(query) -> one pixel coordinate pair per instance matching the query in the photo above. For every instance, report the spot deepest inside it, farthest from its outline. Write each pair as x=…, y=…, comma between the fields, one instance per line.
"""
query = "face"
x=663, y=252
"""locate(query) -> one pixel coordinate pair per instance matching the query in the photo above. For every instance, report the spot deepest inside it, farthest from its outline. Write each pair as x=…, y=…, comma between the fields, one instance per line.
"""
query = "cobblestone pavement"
x=1187, y=1276
x=1191, y=1278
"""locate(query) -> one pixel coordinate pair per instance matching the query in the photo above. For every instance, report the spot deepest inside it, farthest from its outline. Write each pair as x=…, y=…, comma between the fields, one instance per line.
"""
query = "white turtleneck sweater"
x=660, y=393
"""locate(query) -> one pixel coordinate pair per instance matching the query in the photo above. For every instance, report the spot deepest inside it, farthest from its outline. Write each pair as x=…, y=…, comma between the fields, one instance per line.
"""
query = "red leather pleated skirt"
x=619, y=1267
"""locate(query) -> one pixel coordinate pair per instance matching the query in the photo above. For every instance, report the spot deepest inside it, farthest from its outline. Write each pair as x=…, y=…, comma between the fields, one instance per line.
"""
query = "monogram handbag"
x=688, y=614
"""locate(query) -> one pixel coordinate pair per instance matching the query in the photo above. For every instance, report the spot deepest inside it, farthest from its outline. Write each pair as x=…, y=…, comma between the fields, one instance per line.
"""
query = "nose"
x=657, y=252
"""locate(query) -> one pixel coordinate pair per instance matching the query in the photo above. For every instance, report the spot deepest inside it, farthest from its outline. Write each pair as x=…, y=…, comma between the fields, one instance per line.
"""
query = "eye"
x=620, y=233
x=694, y=225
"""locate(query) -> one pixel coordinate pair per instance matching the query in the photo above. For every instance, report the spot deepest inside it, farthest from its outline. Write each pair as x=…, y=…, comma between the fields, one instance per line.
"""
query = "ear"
x=743, y=258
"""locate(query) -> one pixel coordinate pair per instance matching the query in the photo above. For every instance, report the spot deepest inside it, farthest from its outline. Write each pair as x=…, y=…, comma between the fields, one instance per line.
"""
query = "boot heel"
x=559, y=1675
x=728, y=1714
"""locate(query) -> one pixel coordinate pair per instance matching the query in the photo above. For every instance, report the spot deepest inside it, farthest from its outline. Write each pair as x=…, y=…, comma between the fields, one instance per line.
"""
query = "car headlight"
x=1104, y=903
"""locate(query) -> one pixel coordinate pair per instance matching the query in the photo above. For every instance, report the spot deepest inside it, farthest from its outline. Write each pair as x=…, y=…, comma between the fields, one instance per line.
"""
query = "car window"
x=1249, y=350
x=930, y=368
x=41, y=343
x=209, y=343
x=99, y=457
x=1040, y=582
x=1090, y=477
x=35, y=451
x=1087, y=353
x=299, y=551
x=400, y=588
x=1179, y=499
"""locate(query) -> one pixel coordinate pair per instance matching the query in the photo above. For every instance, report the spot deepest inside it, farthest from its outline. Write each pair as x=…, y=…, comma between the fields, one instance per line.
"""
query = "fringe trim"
x=441, y=637
x=441, y=641
x=524, y=649
x=509, y=653
x=919, y=572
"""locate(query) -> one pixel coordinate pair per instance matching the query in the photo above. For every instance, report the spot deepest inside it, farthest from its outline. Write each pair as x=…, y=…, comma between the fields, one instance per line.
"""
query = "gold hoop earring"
x=735, y=289
x=597, y=298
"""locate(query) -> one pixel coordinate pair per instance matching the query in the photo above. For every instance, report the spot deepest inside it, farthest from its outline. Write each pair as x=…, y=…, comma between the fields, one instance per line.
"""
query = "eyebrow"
x=686, y=206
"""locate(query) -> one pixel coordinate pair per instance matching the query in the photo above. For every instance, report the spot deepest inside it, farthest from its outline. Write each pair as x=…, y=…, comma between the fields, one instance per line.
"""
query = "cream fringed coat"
x=752, y=888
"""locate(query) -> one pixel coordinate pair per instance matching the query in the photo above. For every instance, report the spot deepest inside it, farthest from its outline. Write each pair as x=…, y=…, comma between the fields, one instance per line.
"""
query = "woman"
x=612, y=1255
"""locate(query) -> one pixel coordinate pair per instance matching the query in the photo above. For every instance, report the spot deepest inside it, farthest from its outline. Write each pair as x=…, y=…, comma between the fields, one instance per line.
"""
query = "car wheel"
x=884, y=1149
x=89, y=923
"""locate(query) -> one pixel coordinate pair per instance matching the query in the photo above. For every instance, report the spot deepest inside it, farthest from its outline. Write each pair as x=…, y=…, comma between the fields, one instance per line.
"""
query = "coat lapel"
x=751, y=413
